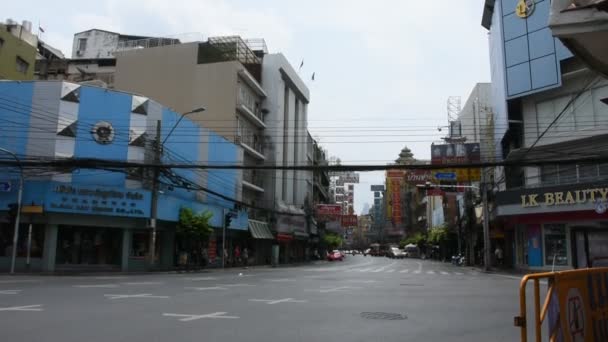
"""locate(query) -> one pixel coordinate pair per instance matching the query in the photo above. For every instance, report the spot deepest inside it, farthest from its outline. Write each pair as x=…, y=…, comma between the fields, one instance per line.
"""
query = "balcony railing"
x=249, y=137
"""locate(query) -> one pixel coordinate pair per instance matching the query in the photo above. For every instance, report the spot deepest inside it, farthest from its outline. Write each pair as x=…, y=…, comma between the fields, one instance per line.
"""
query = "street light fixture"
x=197, y=110
x=18, y=216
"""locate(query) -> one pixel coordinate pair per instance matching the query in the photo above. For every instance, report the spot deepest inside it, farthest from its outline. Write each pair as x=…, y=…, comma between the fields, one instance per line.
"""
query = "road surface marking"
x=281, y=280
x=362, y=281
x=202, y=278
x=111, y=277
x=188, y=318
x=9, y=292
x=365, y=269
x=404, y=271
x=430, y=272
x=334, y=289
x=141, y=295
x=277, y=301
x=458, y=273
x=206, y=288
x=13, y=281
x=384, y=267
x=37, y=307
x=235, y=285
x=417, y=271
x=390, y=271
x=144, y=283
x=444, y=273
x=419, y=267
x=96, y=286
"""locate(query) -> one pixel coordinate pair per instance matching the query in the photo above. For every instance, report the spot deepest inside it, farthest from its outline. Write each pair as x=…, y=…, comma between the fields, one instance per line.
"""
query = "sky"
x=384, y=69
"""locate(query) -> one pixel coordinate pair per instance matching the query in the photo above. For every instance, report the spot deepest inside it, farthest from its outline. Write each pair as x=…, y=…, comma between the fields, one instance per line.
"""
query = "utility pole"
x=486, y=221
x=154, y=201
x=18, y=215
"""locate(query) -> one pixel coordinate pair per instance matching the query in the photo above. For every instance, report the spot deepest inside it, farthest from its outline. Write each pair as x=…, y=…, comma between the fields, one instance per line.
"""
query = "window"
x=82, y=44
x=21, y=65
x=556, y=249
x=571, y=174
x=548, y=174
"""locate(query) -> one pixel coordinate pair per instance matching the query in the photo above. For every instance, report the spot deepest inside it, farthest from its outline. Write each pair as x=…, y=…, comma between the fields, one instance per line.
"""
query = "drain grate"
x=383, y=315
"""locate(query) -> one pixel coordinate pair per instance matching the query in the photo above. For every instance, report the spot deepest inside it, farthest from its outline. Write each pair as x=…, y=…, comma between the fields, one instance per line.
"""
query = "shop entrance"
x=88, y=248
x=590, y=247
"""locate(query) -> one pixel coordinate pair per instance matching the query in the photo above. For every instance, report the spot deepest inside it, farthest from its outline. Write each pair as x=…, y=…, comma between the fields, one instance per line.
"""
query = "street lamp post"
x=18, y=216
x=157, y=160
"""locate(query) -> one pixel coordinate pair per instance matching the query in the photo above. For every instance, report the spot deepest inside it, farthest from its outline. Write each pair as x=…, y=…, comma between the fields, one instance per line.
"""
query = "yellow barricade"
x=576, y=303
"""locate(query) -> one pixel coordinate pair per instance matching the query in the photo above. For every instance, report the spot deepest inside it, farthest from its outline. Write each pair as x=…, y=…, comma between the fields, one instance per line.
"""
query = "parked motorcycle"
x=458, y=260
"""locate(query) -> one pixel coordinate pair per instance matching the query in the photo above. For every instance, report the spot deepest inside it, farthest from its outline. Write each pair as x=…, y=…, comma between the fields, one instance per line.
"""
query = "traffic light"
x=227, y=219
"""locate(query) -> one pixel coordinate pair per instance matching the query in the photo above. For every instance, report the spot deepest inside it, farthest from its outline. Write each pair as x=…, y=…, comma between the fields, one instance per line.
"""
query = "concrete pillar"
x=49, y=254
x=167, y=249
x=127, y=237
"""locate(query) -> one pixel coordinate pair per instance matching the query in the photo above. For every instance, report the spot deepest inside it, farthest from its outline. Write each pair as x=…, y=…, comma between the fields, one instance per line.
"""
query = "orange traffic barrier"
x=576, y=301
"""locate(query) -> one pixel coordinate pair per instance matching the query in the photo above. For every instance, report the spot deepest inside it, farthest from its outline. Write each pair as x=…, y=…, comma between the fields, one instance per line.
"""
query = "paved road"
x=360, y=299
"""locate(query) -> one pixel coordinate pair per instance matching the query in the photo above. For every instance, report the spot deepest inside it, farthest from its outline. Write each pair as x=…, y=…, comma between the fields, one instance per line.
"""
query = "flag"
x=313, y=76
x=40, y=29
x=302, y=64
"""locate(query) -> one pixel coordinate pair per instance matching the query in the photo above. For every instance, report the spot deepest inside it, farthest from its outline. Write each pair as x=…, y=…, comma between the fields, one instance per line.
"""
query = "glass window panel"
x=555, y=244
x=548, y=174
x=567, y=174
x=587, y=172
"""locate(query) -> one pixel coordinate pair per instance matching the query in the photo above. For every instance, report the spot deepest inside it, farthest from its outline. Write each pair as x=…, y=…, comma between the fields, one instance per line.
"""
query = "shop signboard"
x=212, y=250
x=350, y=177
x=349, y=221
x=339, y=190
x=325, y=212
x=457, y=153
x=97, y=200
x=416, y=177
x=394, y=179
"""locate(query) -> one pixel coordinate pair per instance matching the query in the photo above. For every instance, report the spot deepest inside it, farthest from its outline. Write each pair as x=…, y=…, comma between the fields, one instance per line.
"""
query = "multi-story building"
x=90, y=218
x=547, y=106
x=17, y=51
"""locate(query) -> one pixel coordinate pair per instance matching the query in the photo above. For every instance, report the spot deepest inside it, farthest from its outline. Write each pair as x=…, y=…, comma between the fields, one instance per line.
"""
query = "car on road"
x=335, y=256
x=395, y=253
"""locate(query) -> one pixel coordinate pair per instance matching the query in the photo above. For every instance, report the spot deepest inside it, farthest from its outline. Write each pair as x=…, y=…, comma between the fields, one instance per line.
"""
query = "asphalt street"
x=359, y=299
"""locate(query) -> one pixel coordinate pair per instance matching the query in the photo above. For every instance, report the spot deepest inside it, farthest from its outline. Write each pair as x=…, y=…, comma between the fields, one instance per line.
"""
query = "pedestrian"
x=237, y=256
x=245, y=256
x=498, y=253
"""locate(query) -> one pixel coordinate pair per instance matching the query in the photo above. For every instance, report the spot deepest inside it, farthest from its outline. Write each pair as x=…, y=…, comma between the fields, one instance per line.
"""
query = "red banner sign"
x=349, y=221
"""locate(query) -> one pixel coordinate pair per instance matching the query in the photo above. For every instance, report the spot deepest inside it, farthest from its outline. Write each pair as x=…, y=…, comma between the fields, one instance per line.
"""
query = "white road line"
x=281, y=280
x=14, y=281
x=430, y=272
x=390, y=271
x=417, y=272
x=338, y=289
x=110, y=277
x=141, y=295
x=235, y=285
x=202, y=278
x=37, y=307
x=458, y=273
x=404, y=271
x=277, y=301
x=9, y=292
x=362, y=281
x=144, y=283
x=188, y=318
x=419, y=267
x=96, y=286
x=365, y=269
x=206, y=288
x=444, y=273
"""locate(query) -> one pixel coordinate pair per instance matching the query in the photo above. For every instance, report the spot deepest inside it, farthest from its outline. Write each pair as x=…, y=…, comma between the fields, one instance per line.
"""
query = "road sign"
x=5, y=186
x=445, y=175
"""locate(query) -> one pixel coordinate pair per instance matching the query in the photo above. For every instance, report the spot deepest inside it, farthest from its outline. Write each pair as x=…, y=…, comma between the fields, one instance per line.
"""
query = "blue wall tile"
x=544, y=72
x=15, y=109
x=513, y=27
x=516, y=51
x=541, y=43
x=518, y=79
x=540, y=17
x=561, y=50
x=97, y=105
x=508, y=6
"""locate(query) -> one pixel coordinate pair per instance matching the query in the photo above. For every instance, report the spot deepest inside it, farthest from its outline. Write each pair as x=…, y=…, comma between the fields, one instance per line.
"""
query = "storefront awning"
x=260, y=230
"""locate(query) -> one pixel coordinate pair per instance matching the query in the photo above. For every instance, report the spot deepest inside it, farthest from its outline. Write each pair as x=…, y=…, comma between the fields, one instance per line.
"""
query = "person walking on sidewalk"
x=245, y=256
x=498, y=253
x=237, y=256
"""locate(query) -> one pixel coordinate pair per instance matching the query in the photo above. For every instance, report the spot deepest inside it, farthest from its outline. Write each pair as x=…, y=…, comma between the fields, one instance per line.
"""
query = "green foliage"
x=438, y=235
x=417, y=239
x=332, y=240
x=193, y=224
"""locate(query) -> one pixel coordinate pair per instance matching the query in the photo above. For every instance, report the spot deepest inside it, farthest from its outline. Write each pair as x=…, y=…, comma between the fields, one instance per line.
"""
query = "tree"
x=193, y=230
x=417, y=239
x=332, y=240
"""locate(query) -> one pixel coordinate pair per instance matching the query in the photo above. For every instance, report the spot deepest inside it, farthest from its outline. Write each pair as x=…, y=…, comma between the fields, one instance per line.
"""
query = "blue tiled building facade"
x=99, y=218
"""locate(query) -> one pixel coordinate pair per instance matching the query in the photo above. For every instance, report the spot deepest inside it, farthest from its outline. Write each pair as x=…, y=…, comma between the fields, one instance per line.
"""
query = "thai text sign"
x=442, y=154
x=349, y=221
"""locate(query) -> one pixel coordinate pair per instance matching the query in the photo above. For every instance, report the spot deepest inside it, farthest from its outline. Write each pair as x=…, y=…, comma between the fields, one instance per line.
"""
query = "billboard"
x=323, y=210
x=351, y=177
x=394, y=180
x=457, y=153
x=416, y=177
x=377, y=188
x=349, y=221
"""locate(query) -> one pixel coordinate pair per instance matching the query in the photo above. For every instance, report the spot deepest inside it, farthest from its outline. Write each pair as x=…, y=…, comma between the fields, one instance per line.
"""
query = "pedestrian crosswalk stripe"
x=390, y=271
x=404, y=271
x=430, y=272
x=417, y=271
x=458, y=273
x=378, y=270
x=444, y=273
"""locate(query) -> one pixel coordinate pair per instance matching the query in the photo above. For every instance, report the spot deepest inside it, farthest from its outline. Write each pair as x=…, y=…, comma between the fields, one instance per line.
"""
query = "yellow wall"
x=10, y=49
